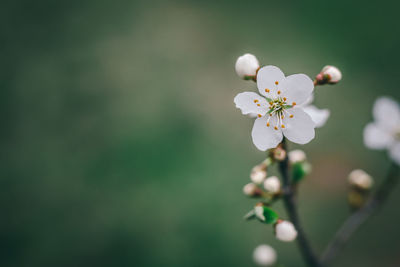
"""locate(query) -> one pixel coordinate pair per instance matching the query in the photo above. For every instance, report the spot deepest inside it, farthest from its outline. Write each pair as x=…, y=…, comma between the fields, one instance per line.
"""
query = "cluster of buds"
x=328, y=74
x=360, y=185
x=261, y=185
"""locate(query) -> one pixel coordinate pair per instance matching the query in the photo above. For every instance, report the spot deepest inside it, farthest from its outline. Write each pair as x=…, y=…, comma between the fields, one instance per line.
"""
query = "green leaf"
x=300, y=170
x=270, y=216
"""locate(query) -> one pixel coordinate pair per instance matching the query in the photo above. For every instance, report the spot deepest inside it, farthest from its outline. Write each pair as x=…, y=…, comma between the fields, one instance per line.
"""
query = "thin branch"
x=352, y=223
x=291, y=209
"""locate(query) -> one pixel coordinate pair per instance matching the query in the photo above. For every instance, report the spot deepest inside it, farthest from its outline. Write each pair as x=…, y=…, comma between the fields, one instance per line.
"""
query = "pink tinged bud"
x=285, y=231
x=247, y=66
x=252, y=190
x=272, y=185
x=332, y=74
x=258, y=174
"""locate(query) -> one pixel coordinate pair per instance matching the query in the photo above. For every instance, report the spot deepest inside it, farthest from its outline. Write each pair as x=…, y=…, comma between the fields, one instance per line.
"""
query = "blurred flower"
x=246, y=66
x=285, y=231
x=319, y=116
x=264, y=255
x=272, y=184
x=360, y=179
x=252, y=190
x=384, y=132
x=329, y=74
x=296, y=156
x=258, y=173
x=278, y=108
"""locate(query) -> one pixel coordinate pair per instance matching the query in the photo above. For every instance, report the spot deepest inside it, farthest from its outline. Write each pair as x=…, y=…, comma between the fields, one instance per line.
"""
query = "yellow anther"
x=279, y=92
x=276, y=82
x=291, y=116
x=294, y=104
x=258, y=105
x=267, y=124
x=283, y=126
x=284, y=99
x=276, y=128
x=267, y=90
x=271, y=103
x=259, y=115
x=283, y=117
x=270, y=114
x=255, y=100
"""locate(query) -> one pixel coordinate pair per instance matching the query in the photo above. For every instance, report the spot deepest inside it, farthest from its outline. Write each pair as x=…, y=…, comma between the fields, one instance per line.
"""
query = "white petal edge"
x=394, y=153
x=245, y=102
x=265, y=137
x=300, y=128
x=386, y=112
x=376, y=137
x=266, y=79
x=319, y=116
x=296, y=88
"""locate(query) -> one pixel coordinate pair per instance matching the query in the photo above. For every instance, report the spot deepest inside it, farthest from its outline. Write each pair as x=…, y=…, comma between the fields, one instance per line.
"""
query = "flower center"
x=278, y=107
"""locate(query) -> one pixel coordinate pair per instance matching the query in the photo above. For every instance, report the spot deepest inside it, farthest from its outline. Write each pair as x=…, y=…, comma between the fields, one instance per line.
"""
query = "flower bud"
x=360, y=179
x=246, y=66
x=296, y=156
x=264, y=255
x=279, y=153
x=258, y=173
x=329, y=74
x=285, y=231
x=272, y=184
x=252, y=190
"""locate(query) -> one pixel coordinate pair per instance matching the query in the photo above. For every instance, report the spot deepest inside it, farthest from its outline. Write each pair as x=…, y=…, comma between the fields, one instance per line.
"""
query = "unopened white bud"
x=251, y=190
x=285, y=231
x=258, y=174
x=247, y=65
x=333, y=73
x=360, y=179
x=264, y=255
x=272, y=184
x=296, y=156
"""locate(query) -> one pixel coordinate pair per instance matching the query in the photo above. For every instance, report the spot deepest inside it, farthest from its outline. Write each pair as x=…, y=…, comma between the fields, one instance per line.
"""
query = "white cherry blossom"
x=278, y=108
x=247, y=66
x=384, y=132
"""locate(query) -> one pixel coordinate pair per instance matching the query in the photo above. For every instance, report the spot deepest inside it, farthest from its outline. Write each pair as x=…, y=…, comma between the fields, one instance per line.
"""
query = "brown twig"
x=291, y=209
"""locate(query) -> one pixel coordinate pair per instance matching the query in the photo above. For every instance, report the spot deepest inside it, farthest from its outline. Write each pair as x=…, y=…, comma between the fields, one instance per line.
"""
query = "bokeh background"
x=121, y=145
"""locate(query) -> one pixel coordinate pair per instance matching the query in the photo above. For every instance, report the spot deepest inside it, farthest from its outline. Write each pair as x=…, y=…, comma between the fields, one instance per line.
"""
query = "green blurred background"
x=121, y=145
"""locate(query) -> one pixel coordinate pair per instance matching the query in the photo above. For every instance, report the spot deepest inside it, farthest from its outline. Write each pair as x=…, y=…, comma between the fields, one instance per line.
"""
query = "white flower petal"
x=376, y=137
x=267, y=77
x=265, y=137
x=394, y=152
x=386, y=112
x=296, y=88
x=300, y=128
x=308, y=102
x=246, y=103
x=319, y=116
